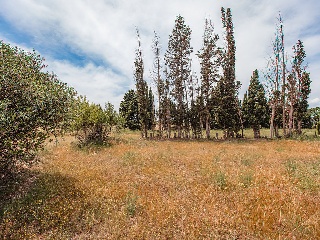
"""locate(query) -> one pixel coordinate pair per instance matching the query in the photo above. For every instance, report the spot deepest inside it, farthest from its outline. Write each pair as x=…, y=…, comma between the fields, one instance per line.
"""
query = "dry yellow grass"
x=139, y=189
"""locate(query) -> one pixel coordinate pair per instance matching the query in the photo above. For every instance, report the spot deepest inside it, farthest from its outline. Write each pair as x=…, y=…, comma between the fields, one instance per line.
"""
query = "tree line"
x=35, y=105
x=189, y=104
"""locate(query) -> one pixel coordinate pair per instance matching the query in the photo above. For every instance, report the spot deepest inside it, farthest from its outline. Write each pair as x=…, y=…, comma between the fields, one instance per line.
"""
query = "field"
x=139, y=189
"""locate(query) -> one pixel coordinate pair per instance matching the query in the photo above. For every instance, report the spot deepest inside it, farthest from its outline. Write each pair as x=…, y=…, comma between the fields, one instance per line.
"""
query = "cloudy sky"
x=90, y=44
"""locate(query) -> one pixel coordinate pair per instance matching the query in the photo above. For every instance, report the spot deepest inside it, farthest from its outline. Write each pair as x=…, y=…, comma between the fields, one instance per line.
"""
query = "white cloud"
x=105, y=30
x=100, y=84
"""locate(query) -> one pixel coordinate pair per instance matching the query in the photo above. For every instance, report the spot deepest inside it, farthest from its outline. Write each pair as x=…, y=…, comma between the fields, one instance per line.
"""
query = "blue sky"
x=91, y=44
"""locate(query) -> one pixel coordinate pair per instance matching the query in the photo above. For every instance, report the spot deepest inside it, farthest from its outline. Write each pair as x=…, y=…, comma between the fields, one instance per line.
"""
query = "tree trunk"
x=256, y=131
x=208, y=126
x=273, y=111
x=290, y=120
x=179, y=131
x=276, y=131
x=284, y=121
x=299, y=127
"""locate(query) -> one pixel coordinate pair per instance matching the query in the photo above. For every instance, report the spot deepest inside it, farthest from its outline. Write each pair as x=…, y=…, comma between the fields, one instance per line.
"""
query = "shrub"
x=92, y=124
x=33, y=105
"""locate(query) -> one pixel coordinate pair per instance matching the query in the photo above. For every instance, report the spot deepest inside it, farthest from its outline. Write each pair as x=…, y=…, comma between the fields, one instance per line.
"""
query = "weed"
x=291, y=167
x=246, y=179
x=129, y=158
x=220, y=180
x=131, y=204
x=246, y=162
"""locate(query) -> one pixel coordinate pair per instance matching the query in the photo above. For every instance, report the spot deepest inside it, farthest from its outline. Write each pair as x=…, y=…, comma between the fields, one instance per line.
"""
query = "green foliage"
x=226, y=93
x=301, y=84
x=209, y=61
x=142, y=90
x=33, y=106
x=177, y=60
x=92, y=124
x=246, y=179
x=129, y=110
x=220, y=179
x=255, y=109
x=131, y=204
x=314, y=115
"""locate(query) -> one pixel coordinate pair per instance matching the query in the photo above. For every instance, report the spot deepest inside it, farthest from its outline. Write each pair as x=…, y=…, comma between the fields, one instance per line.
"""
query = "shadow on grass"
x=51, y=207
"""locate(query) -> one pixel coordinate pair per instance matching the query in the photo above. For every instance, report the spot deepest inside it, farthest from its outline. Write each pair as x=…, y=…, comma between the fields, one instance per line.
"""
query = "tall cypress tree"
x=142, y=89
x=256, y=104
x=177, y=59
x=301, y=83
x=209, y=63
x=226, y=94
x=129, y=110
x=151, y=110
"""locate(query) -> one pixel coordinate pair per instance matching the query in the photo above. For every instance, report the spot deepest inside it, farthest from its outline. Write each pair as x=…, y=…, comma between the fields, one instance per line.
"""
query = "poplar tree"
x=208, y=56
x=226, y=93
x=177, y=60
x=256, y=104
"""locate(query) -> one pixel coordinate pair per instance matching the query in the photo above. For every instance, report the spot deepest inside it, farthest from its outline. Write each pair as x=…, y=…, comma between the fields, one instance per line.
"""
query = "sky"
x=90, y=44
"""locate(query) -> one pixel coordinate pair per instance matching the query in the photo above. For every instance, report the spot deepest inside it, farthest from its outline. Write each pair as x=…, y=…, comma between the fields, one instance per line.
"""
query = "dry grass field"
x=138, y=189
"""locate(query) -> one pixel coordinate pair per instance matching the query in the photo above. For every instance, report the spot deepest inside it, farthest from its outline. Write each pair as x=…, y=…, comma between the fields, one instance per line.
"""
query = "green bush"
x=92, y=124
x=33, y=106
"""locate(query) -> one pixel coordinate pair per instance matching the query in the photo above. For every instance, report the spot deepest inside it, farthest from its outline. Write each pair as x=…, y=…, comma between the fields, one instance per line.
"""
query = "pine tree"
x=177, y=60
x=208, y=56
x=256, y=106
x=226, y=93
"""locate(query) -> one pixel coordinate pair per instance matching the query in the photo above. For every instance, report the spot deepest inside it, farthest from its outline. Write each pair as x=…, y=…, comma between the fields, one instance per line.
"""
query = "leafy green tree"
x=93, y=124
x=90, y=123
x=34, y=105
x=315, y=116
x=114, y=119
x=178, y=61
x=129, y=110
x=226, y=92
x=256, y=104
